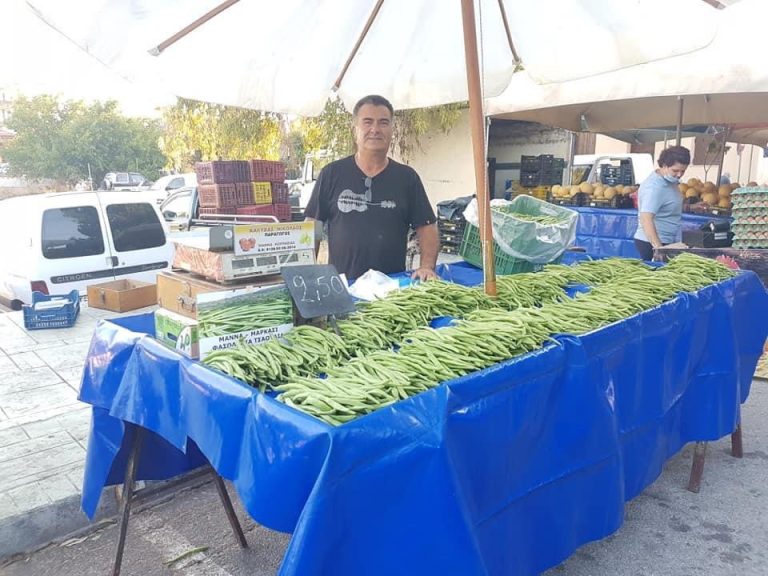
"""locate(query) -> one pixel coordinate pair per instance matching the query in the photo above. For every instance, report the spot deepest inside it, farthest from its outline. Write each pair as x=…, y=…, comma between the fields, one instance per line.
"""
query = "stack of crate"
x=223, y=185
x=541, y=170
x=269, y=190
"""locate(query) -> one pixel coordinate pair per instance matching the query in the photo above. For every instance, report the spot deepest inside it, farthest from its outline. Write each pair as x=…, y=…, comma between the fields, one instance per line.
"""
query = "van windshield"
x=71, y=232
x=135, y=227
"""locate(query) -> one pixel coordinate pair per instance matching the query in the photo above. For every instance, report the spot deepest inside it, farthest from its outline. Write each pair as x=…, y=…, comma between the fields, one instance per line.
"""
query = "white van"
x=57, y=242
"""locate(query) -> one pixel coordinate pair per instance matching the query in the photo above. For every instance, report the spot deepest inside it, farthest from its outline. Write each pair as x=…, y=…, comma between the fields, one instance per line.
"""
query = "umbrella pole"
x=679, y=133
x=477, y=124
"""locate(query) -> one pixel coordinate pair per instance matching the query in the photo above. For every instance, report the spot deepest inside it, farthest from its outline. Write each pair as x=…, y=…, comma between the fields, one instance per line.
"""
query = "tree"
x=61, y=140
x=199, y=131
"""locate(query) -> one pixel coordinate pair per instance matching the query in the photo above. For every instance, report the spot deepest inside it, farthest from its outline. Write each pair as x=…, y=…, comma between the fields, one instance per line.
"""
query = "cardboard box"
x=177, y=291
x=122, y=295
x=177, y=332
x=182, y=295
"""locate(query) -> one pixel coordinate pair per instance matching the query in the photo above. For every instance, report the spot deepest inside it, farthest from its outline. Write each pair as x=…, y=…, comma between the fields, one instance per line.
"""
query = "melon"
x=683, y=188
x=556, y=190
x=599, y=192
x=574, y=190
x=724, y=203
x=710, y=198
x=609, y=193
x=724, y=191
x=691, y=193
x=752, y=185
x=709, y=188
x=586, y=187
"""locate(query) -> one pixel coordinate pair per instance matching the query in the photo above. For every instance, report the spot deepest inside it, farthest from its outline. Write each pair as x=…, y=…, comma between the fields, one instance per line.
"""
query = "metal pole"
x=722, y=155
x=478, y=143
x=128, y=487
x=679, y=133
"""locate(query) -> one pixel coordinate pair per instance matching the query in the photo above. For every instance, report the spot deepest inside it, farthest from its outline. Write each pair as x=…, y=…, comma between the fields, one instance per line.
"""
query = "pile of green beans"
x=426, y=358
x=539, y=219
x=305, y=350
x=487, y=336
x=243, y=316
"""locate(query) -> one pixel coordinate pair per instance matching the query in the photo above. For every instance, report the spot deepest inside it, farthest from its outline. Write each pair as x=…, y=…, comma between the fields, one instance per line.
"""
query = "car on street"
x=165, y=185
x=124, y=181
x=57, y=242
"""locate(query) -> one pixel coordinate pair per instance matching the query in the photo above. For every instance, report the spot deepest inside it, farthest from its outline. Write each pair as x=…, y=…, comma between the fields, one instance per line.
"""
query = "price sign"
x=317, y=290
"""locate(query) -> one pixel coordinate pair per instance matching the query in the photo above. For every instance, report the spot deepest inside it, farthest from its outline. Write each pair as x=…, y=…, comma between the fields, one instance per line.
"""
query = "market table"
x=610, y=231
x=504, y=471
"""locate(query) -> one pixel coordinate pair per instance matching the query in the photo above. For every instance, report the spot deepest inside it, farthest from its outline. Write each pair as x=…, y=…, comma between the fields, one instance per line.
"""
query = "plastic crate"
x=282, y=211
x=256, y=210
x=471, y=250
x=266, y=171
x=210, y=210
x=529, y=179
x=280, y=193
x=222, y=172
x=40, y=315
x=223, y=195
x=261, y=193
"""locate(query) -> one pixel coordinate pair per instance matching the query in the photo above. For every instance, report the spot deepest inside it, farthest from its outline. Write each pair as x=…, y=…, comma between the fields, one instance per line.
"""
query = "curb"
x=36, y=528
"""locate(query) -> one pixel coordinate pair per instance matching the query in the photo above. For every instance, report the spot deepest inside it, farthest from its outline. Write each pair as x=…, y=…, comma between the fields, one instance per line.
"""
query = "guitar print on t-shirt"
x=350, y=201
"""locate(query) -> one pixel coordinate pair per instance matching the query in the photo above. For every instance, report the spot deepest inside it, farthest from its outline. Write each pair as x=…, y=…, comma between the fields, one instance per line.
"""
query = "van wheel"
x=16, y=305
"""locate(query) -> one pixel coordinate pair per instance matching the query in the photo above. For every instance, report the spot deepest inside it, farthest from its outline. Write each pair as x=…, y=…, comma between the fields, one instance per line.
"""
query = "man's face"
x=373, y=128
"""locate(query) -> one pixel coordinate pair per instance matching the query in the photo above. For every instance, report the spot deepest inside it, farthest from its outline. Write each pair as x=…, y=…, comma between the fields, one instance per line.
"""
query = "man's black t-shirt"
x=368, y=218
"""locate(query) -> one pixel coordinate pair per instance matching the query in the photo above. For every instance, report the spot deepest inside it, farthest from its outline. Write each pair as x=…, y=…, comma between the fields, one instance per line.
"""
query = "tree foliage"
x=61, y=140
x=199, y=131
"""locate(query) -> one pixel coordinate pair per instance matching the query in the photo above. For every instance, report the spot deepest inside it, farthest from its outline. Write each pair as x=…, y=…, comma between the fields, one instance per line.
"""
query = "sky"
x=35, y=59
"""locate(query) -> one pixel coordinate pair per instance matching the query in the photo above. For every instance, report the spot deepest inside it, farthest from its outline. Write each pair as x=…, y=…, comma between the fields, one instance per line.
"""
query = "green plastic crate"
x=471, y=250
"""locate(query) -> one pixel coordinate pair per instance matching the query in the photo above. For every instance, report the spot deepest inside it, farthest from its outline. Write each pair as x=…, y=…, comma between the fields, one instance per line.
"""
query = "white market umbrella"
x=725, y=83
x=289, y=56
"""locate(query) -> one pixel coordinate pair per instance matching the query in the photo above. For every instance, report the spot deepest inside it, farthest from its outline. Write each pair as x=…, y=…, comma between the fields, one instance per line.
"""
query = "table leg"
x=221, y=488
x=697, y=469
x=737, y=448
x=128, y=485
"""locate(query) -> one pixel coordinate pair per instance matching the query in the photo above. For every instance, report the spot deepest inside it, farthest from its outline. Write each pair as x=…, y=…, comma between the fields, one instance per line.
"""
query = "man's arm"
x=429, y=245
x=647, y=221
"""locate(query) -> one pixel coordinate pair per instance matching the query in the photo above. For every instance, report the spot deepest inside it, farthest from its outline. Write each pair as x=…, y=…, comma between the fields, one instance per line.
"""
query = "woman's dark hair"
x=375, y=100
x=674, y=155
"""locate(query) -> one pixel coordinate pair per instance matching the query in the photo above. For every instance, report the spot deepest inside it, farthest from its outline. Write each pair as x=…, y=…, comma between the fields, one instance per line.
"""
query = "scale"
x=231, y=252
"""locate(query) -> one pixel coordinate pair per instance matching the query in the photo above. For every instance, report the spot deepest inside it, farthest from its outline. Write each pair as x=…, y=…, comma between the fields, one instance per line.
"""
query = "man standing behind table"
x=660, y=203
x=369, y=202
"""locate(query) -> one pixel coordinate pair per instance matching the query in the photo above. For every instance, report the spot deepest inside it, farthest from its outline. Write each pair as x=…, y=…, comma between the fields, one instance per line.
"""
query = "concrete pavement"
x=43, y=430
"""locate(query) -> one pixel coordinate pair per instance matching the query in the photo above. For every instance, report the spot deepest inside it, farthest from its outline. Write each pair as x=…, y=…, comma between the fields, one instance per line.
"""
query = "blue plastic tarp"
x=505, y=471
x=610, y=232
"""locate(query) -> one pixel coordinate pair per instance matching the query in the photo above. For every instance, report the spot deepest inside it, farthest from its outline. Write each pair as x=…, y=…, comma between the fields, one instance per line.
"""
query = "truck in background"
x=594, y=168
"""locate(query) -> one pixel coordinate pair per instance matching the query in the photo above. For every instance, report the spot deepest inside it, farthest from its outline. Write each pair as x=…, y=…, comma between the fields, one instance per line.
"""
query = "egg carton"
x=745, y=191
x=751, y=218
x=742, y=229
x=747, y=244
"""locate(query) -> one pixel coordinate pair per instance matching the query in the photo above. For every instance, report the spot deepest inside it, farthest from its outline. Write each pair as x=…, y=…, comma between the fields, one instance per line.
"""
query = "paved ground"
x=43, y=429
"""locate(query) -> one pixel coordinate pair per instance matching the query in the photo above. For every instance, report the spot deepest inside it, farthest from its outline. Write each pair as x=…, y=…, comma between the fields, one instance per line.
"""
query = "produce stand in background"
x=610, y=232
x=513, y=466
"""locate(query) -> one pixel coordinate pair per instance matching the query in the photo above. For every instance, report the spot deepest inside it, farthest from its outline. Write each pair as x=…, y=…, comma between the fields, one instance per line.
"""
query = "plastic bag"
x=372, y=285
x=525, y=240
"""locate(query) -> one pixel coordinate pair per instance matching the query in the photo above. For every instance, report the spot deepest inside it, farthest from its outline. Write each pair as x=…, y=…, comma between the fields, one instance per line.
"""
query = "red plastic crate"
x=256, y=210
x=279, y=193
x=209, y=210
x=220, y=195
x=266, y=171
x=283, y=212
x=222, y=172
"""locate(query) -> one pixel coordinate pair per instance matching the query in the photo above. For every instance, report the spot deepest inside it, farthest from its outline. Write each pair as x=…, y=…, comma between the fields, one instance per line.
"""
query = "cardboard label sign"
x=317, y=290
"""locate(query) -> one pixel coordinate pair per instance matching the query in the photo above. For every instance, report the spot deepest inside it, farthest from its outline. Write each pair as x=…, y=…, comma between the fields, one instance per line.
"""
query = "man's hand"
x=424, y=274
